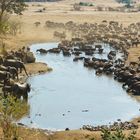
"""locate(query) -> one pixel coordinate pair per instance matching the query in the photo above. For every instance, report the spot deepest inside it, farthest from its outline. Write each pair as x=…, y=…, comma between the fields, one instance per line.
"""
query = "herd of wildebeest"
x=90, y=40
x=11, y=64
x=112, y=127
x=87, y=40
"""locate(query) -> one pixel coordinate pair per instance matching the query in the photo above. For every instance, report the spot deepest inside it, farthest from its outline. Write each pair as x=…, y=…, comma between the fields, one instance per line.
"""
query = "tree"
x=125, y=1
x=11, y=6
x=128, y=2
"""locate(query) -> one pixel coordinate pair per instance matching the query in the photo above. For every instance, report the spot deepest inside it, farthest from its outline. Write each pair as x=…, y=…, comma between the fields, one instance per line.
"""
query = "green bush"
x=81, y=4
x=85, y=4
x=117, y=135
x=91, y=4
x=10, y=111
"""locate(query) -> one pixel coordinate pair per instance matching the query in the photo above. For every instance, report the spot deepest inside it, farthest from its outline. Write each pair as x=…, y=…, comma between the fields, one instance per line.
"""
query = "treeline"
x=40, y=0
x=124, y=1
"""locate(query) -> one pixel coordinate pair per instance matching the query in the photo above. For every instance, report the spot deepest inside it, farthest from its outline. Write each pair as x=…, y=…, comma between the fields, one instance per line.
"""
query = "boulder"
x=30, y=58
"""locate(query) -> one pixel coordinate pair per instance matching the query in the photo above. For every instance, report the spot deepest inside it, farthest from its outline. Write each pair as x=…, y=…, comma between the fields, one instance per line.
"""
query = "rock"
x=21, y=124
x=85, y=110
x=37, y=114
x=67, y=129
x=119, y=120
x=30, y=58
x=41, y=71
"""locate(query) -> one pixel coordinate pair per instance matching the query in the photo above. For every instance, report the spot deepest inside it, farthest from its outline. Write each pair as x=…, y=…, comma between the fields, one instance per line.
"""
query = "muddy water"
x=72, y=96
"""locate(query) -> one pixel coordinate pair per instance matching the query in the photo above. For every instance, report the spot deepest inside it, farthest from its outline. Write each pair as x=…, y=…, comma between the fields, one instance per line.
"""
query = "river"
x=72, y=95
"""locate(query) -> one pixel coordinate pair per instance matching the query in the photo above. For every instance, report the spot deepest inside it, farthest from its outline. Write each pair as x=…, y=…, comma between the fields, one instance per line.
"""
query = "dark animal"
x=1, y=60
x=4, y=77
x=98, y=46
x=15, y=63
x=66, y=53
x=43, y=51
x=21, y=90
x=6, y=90
x=13, y=71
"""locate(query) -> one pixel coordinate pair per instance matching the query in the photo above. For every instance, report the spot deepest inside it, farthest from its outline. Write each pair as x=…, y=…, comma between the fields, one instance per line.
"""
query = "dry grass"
x=65, y=135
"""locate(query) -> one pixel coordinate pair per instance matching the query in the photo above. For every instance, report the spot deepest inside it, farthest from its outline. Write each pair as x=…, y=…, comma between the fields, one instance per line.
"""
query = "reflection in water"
x=71, y=95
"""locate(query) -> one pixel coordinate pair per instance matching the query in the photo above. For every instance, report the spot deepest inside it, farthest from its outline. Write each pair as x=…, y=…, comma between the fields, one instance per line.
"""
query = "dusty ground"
x=62, y=12
x=37, y=67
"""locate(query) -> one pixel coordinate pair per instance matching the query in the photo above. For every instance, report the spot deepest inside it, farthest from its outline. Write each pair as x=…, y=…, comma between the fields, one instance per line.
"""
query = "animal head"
x=28, y=87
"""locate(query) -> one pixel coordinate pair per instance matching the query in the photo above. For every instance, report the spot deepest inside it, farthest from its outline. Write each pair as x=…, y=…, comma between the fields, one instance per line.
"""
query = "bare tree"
x=15, y=27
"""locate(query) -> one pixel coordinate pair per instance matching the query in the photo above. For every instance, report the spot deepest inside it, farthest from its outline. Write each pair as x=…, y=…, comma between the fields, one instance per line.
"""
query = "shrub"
x=3, y=49
x=14, y=27
x=81, y=4
x=4, y=25
x=85, y=4
x=10, y=111
x=91, y=4
x=117, y=135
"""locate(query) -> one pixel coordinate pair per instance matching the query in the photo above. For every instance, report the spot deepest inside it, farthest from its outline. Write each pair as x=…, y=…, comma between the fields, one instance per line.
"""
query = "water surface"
x=58, y=98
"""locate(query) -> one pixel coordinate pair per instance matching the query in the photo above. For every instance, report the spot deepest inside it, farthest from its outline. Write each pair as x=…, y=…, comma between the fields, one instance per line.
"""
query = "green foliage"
x=117, y=135
x=4, y=25
x=10, y=111
x=11, y=6
x=4, y=28
x=9, y=26
x=85, y=4
x=128, y=2
x=91, y=4
x=3, y=50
